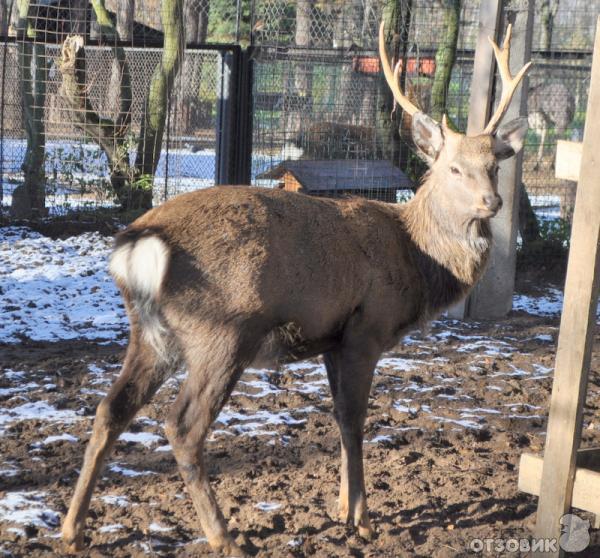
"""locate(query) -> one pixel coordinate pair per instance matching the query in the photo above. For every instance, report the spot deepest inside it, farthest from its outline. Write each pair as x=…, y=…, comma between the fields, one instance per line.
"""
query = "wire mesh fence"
x=101, y=104
x=328, y=100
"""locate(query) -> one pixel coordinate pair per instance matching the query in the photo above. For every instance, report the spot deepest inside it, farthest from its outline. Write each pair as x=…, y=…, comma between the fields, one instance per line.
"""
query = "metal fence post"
x=244, y=119
x=234, y=118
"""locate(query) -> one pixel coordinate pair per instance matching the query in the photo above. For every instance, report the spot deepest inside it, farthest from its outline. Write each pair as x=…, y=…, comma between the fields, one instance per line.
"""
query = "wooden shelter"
x=378, y=180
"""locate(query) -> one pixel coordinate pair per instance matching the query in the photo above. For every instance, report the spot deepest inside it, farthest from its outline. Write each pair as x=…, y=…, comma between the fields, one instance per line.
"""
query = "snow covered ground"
x=52, y=290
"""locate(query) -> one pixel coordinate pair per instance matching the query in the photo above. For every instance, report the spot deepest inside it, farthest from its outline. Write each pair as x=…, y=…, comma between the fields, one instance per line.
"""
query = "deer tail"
x=139, y=264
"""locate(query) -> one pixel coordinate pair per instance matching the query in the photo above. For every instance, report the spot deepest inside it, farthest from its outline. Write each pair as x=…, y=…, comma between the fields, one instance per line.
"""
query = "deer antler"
x=509, y=82
x=391, y=76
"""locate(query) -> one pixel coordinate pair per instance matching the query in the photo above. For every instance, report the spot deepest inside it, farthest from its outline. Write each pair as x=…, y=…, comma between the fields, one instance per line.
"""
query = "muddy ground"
x=450, y=414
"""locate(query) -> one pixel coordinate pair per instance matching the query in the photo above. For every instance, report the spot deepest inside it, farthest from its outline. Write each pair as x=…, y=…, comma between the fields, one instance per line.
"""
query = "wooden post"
x=576, y=330
x=482, y=83
x=492, y=297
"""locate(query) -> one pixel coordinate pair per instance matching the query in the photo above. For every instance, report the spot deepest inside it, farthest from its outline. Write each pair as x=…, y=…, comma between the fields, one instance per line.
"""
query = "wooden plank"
x=482, y=90
x=586, y=484
x=577, y=328
x=568, y=160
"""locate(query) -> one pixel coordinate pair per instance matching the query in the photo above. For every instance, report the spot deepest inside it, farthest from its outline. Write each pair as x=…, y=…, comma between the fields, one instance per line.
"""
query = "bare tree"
x=548, y=10
x=132, y=184
x=301, y=87
x=29, y=198
x=445, y=55
x=124, y=20
x=397, y=18
x=196, y=29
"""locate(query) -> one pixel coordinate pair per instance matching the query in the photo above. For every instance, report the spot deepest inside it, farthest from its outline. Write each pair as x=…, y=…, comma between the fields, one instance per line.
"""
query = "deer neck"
x=450, y=254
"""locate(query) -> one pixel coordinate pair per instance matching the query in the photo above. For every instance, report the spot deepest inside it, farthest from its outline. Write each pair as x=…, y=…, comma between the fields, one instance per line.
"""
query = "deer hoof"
x=227, y=547
x=366, y=532
x=364, y=528
x=74, y=544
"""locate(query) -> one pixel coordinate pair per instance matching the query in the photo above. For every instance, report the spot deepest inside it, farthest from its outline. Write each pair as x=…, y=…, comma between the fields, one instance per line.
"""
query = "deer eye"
x=455, y=170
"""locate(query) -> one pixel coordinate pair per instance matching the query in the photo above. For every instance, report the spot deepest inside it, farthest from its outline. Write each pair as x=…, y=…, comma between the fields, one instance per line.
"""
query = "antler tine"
x=391, y=77
x=509, y=82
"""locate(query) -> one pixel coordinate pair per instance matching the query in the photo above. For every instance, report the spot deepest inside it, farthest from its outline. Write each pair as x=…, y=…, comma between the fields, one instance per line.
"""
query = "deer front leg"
x=350, y=373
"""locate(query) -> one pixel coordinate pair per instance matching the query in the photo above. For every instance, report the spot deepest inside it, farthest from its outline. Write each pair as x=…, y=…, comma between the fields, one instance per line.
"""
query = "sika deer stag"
x=219, y=279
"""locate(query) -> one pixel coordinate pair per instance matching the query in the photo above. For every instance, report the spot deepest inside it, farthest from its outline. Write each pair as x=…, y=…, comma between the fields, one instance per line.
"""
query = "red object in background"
x=370, y=65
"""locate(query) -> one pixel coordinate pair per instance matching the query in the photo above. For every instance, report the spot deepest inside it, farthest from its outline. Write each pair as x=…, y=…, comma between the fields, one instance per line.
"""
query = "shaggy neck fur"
x=451, y=255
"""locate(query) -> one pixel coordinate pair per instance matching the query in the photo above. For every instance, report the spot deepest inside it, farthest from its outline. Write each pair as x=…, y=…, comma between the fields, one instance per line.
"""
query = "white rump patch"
x=141, y=266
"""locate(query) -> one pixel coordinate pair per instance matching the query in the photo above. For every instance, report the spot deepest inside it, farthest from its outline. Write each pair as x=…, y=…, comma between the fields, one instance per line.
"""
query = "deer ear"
x=428, y=137
x=508, y=140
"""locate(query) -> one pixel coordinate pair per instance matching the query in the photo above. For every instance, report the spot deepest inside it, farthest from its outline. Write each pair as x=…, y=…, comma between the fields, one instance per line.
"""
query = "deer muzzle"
x=493, y=203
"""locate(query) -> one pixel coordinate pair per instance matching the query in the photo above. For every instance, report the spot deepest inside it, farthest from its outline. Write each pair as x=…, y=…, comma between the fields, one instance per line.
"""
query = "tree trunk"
x=29, y=198
x=196, y=20
x=302, y=91
x=444, y=58
x=548, y=9
x=108, y=134
x=396, y=16
x=351, y=89
x=196, y=28
x=155, y=109
x=124, y=32
x=125, y=19
x=4, y=17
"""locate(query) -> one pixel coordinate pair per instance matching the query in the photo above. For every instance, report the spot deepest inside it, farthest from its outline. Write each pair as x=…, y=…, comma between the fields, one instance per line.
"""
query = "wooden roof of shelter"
x=341, y=174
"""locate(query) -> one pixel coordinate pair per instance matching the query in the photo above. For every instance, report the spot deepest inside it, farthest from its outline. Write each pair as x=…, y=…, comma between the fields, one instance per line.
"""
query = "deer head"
x=463, y=169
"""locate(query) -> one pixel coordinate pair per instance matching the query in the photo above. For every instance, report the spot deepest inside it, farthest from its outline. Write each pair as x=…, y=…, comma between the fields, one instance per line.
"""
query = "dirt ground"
x=450, y=414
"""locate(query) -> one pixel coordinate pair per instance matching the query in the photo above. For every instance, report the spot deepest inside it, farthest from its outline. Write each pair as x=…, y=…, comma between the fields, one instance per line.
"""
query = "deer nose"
x=493, y=202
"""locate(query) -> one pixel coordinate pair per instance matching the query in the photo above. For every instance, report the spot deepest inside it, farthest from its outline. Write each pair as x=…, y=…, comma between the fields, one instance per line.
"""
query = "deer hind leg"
x=142, y=374
x=350, y=372
x=212, y=374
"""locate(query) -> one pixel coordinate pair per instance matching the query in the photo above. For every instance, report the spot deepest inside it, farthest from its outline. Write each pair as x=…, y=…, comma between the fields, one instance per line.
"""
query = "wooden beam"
x=482, y=89
x=577, y=329
x=568, y=160
x=589, y=458
x=586, y=484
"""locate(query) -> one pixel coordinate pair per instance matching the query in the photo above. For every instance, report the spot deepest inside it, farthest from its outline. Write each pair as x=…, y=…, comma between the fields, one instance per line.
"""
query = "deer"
x=549, y=104
x=221, y=279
